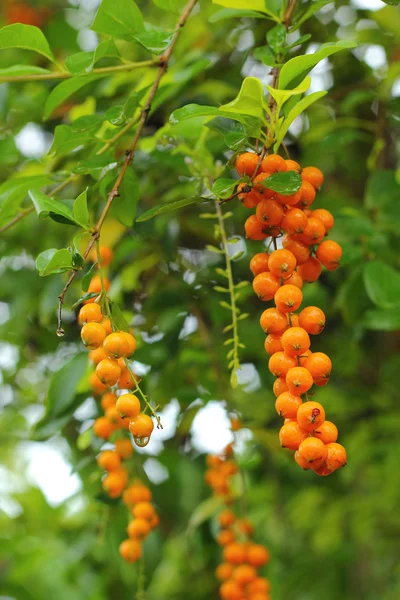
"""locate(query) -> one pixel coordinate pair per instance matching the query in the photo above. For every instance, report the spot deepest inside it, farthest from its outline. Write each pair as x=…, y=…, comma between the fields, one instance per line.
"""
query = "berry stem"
x=142, y=395
x=104, y=296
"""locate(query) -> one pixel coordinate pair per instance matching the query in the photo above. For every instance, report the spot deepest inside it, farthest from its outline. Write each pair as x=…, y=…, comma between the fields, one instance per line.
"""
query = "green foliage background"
x=332, y=538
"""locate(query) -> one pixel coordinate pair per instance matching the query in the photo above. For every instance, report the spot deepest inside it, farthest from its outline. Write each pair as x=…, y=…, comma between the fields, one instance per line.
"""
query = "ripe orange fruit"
x=260, y=585
x=139, y=529
x=312, y=319
x=226, y=518
x=288, y=298
x=103, y=427
x=243, y=574
x=327, y=432
x=224, y=571
x=131, y=343
x=245, y=526
x=282, y=263
x=280, y=363
x=265, y=286
x=273, y=163
x=95, y=285
x=290, y=200
x=137, y=493
x=114, y=483
x=294, y=221
x=310, y=415
x=116, y=345
x=130, y=550
x=141, y=426
x=269, y=212
x=246, y=164
x=108, y=399
x=301, y=461
x=143, y=510
x=287, y=405
x=294, y=279
x=313, y=176
x=236, y=423
x=301, y=251
x=235, y=553
x=225, y=537
x=90, y=313
x=280, y=386
x=273, y=344
x=106, y=255
x=295, y=341
x=124, y=448
x=249, y=199
x=310, y=270
x=329, y=253
x=230, y=590
x=257, y=555
x=127, y=381
x=128, y=405
x=299, y=380
x=292, y=165
x=113, y=415
x=97, y=354
x=291, y=435
x=254, y=229
x=336, y=457
x=261, y=188
x=325, y=217
x=314, y=232
x=96, y=385
x=273, y=321
x=93, y=335
x=259, y=263
x=108, y=371
x=109, y=460
x=313, y=451
x=307, y=194
x=320, y=366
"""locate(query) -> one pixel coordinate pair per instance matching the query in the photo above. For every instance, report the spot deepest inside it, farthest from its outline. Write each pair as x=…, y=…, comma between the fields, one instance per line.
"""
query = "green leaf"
x=265, y=54
x=382, y=320
x=48, y=207
x=54, y=261
x=63, y=385
x=118, y=318
x=300, y=107
x=87, y=278
x=174, y=6
x=309, y=12
x=192, y=110
x=154, y=41
x=14, y=191
x=21, y=70
x=65, y=89
x=161, y=209
x=66, y=140
x=204, y=511
x=96, y=163
x=118, y=19
x=260, y=5
x=233, y=13
x=276, y=37
x=298, y=67
x=382, y=190
x=382, y=284
x=284, y=183
x=85, y=61
x=224, y=187
x=298, y=42
x=26, y=37
x=81, y=212
x=282, y=95
x=250, y=100
x=124, y=206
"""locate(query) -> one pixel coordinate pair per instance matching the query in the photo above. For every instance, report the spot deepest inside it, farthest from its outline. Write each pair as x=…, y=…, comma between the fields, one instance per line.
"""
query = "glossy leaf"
x=14, y=191
x=63, y=385
x=81, y=212
x=281, y=96
x=65, y=89
x=118, y=19
x=224, y=187
x=48, y=207
x=382, y=283
x=382, y=320
x=54, y=261
x=300, y=107
x=26, y=37
x=85, y=61
x=250, y=100
x=161, y=209
x=264, y=6
x=21, y=70
x=266, y=55
x=284, y=183
x=311, y=9
x=154, y=41
x=66, y=140
x=276, y=37
x=234, y=13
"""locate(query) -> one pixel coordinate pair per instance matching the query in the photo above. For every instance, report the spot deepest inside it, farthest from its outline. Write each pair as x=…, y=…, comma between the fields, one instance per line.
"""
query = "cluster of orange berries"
x=280, y=276
x=137, y=499
x=110, y=351
x=241, y=556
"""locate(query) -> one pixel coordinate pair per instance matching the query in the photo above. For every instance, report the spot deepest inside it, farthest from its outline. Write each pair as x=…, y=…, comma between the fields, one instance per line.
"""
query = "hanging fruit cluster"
x=280, y=276
x=242, y=557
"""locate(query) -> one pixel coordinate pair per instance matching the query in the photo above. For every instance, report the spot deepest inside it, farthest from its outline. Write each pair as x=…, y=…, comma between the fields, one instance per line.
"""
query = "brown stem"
x=288, y=14
x=130, y=153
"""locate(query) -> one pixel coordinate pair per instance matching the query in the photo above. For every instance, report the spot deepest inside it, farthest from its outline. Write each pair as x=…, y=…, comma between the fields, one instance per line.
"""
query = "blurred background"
x=332, y=538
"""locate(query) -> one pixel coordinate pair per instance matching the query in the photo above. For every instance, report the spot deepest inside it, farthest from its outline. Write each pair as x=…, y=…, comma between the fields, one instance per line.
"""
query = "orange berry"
x=106, y=256
x=245, y=526
x=143, y=510
x=95, y=285
x=139, y=529
x=310, y=270
x=313, y=176
x=329, y=253
x=131, y=343
x=243, y=574
x=299, y=380
x=310, y=415
x=280, y=386
x=97, y=354
x=224, y=571
x=128, y=380
x=226, y=518
x=124, y=448
x=107, y=326
x=249, y=199
x=280, y=363
x=294, y=221
x=225, y=537
x=302, y=359
x=230, y=590
x=312, y=319
x=301, y=461
x=282, y=263
x=269, y=212
x=259, y=263
x=292, y=165
x=108, y=399
x=137, y=493
x=113, y=415
x=265, y=286
x=90, y=313
x=273, y=344
x=96, y=385
x=313, y=451
x=213, y=460
x=314, y=232
x=259, y=585
x=93, y=335
x=236, y=423
x=108, y=371
x=257, y=555
x=261, y=188
x=273, y=321
x=295, y=320
x=287, y=405
x=307, y=194
x=336, y=457
x=246, y=164
x=290, y=200
x=235, y=553
x=320, y=366
x=295, y=341
x=103, y=428
x=273, y=163
x=254, y=229
x=130, y=550
x=327, y=432
x=325, y=217
x=291, y=435
x=154, y=521
x=288, y=298
x=128, y=405
x=116, y=345
x=294, y=279
x=301, y=251
x=114, y=483
x=141, y=426
x=109, y=460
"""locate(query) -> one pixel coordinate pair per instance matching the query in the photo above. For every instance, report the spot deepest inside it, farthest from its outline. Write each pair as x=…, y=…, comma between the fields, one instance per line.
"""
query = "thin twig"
x=130, y=153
